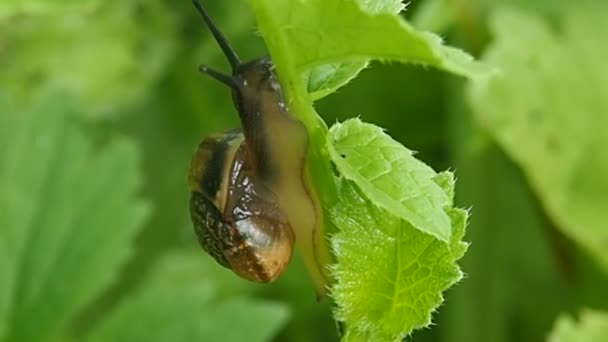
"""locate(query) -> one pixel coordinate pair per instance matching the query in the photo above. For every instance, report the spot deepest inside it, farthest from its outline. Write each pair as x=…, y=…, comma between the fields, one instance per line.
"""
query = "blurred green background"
x=80, y=80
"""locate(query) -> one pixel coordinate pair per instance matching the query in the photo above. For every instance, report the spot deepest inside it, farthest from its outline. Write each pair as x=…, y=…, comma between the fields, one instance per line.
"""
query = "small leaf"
x=389, y=275
x=592, y=327
x=178, y=303
x=391, y=177
x=325, y=79
x=68, y=218
x=547, y=110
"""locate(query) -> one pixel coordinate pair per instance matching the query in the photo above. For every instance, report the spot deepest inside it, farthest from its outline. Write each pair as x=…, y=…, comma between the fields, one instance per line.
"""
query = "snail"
x=249, y=189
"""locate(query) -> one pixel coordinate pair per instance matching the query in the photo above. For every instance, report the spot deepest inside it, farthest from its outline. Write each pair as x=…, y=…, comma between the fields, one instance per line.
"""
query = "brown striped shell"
x=236, y=217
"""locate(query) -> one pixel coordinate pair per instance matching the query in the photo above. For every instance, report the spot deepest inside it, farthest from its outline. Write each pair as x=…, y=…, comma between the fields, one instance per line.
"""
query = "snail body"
x=249, y=192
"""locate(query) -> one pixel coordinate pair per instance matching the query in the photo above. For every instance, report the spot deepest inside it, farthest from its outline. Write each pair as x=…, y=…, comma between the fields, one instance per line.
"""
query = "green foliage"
x=59, y=50
x=68, y=218
x=176, y=303
x=101, y=107
x=548, y=111
x=592, y=326
x=331, y=41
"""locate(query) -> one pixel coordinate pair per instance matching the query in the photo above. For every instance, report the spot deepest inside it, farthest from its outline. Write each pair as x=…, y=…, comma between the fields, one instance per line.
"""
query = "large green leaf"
x=302, y=35
x=68, y=216
x=335, y=39
x=548, y=111
x=180, y=303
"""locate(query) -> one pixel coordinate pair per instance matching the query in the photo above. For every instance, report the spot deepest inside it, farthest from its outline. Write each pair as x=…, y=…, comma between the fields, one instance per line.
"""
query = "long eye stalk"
x=227, y=80
x=231, y=55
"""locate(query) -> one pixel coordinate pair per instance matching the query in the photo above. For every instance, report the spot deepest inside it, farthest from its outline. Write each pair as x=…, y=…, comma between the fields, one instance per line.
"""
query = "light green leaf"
x=392, y=177
x=389, y=275
x=548, y=111
x=340, y=37
x=68, y=216
x=345, y=35
x=106, y=56
x=592, y=327
x=178, y=303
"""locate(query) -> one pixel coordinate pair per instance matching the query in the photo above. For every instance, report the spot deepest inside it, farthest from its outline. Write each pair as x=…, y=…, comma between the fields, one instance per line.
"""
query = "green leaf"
x=178, y=303
x=547, y=110
x=68, y=216
x=389, y=275
x=340, y=37
x=399, y=236
x=392, y=177
x=592, y=327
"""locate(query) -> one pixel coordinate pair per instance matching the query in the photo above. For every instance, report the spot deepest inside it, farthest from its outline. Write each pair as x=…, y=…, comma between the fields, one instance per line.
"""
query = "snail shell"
x=235, y=216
